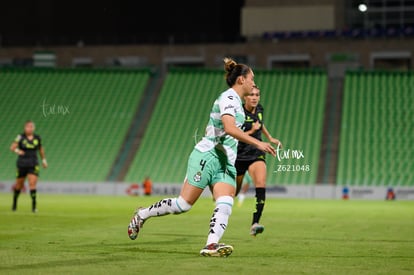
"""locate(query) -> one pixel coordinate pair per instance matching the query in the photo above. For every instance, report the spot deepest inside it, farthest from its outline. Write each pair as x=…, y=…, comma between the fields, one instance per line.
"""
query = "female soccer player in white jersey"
x=211, y=162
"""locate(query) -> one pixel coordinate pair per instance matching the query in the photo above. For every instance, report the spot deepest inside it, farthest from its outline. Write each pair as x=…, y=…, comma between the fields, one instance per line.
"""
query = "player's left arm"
x=270, y=138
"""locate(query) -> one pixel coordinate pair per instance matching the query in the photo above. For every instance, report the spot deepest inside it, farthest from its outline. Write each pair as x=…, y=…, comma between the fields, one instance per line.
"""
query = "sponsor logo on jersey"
x=228, y=107
x=28, y=145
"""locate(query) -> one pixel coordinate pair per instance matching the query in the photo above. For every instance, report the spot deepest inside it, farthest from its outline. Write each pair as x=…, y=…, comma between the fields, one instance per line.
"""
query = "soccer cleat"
x=34, y=210
x=216, y=250
x=256, y=229
x=134, y=226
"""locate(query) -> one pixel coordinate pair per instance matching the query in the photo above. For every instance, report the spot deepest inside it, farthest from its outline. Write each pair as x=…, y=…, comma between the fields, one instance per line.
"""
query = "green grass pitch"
x=88, y=235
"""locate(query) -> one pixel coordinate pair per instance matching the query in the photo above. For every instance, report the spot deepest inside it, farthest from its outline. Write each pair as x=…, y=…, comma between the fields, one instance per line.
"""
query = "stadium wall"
x=257, y=20
x=172, y=189
x=257, y=52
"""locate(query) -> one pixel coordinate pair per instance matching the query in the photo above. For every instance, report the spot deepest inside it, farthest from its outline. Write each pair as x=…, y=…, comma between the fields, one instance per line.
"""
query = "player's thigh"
x=19, y=183
x=247, y=179
x=239, y=183
x=241, y=168
x=190, y=193
x=257, y=171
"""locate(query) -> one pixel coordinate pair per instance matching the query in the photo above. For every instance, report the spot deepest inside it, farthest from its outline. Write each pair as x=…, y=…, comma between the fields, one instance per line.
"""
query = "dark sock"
x=260, y=202
x=33, y=196
x=15, y=197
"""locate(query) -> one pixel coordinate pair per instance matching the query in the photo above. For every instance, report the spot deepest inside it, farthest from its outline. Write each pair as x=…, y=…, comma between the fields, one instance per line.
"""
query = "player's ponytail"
x=234, y=70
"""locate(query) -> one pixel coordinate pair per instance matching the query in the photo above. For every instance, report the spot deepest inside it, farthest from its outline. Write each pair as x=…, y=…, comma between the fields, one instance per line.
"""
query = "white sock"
x=165, y=207
x=241, y=197
x=220, y=218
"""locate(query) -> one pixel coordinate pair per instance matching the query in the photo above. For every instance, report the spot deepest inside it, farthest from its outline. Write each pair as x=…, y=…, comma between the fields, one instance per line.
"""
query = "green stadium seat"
x=377, y=129
x=294, y=106
x=81, y=145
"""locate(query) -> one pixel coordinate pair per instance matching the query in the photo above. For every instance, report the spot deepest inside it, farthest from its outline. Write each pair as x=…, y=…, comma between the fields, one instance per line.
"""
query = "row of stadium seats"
x=177, y=122
x=93, y=109
x=354, y=33
x=293, y=103
x=81, y=115
x=376, y=144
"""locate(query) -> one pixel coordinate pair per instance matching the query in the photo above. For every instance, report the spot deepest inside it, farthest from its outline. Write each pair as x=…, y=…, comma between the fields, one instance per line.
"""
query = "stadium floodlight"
x=362, y=7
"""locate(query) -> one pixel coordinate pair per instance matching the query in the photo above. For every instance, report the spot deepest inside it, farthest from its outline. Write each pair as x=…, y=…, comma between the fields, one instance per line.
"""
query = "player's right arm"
x=229, y=125
x=14, y=147
x=255, y=126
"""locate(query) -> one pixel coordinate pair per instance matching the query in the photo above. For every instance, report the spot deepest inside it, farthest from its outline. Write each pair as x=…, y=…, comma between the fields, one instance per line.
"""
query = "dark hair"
x=234, y=70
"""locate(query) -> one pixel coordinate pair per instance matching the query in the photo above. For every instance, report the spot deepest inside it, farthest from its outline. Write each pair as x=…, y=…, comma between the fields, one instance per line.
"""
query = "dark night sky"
x=49, y=22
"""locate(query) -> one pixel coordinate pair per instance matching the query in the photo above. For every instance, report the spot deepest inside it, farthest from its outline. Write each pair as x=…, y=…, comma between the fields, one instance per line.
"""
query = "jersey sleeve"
x=227, y=105
x=261, y=115
x=18, y=138
x=40, y=141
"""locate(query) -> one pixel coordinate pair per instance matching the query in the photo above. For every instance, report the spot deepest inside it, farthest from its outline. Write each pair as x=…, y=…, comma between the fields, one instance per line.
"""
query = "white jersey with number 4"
x=215, y=137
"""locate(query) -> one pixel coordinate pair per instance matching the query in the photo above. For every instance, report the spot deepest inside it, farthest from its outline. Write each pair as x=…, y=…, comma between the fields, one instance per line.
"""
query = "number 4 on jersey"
x=202, y=164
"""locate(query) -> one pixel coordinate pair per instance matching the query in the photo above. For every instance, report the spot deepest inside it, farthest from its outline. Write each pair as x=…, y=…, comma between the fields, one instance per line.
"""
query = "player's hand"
x=255, y=126
x=20, y=152
x=267, y=148
x=276, y=142
x=44, y=163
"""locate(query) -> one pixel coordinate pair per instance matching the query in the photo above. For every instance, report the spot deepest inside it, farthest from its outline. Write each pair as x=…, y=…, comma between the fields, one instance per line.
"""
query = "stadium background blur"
x=120, y=89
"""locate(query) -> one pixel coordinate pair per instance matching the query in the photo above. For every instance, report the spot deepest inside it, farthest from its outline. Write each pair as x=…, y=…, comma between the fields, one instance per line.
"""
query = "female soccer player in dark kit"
x=26, y=146
x=250, y=159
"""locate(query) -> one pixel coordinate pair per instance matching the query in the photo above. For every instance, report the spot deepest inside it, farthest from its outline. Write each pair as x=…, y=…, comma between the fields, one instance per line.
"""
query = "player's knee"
x=225, y=204
x=182, y=205
x=260, y=184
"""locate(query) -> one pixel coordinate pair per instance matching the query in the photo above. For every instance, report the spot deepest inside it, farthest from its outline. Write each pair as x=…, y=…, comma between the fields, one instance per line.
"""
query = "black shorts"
x=243, y=165
x=24, y=171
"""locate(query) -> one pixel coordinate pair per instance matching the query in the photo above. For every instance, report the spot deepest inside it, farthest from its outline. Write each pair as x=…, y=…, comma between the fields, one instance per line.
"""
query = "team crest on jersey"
x=197, y=177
